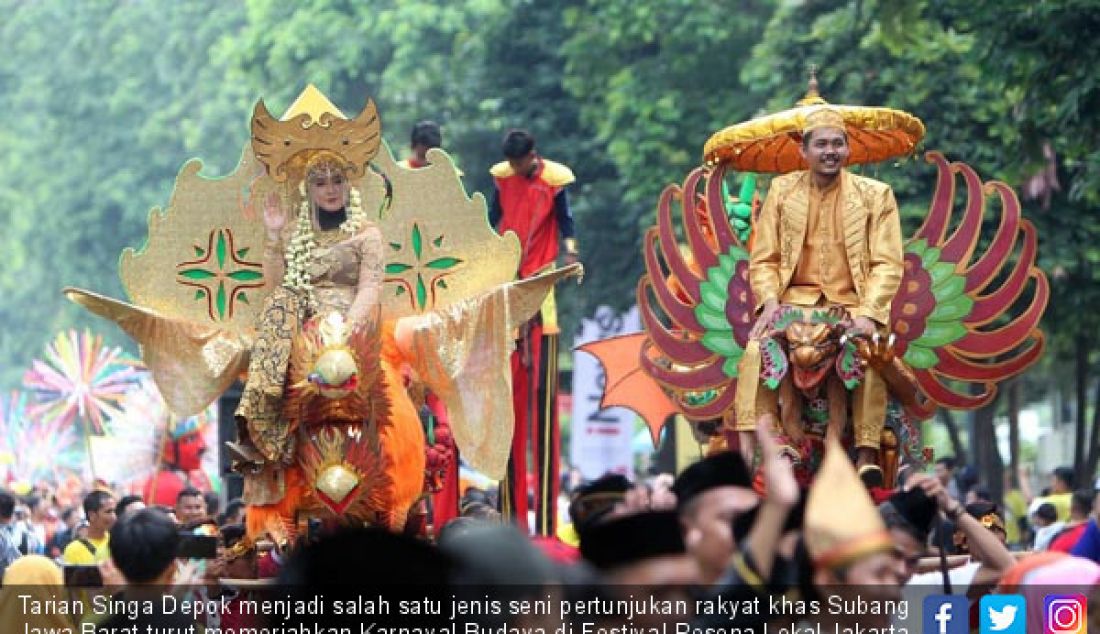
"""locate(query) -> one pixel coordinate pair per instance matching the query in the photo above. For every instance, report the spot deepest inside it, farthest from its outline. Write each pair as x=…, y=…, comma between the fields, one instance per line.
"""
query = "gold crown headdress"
x=325, y=161
x=823, y=118
x=313, y=135
x=314, y=127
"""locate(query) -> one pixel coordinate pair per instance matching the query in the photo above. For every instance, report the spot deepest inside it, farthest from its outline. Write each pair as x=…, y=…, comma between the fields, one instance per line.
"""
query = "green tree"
x=100, y=114
x=652, y=81
x=1045, y=53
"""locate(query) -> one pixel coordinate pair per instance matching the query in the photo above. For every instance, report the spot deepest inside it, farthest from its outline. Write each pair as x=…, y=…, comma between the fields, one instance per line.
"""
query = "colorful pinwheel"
x=126, y=454
x=33, y=451
x=80, y=381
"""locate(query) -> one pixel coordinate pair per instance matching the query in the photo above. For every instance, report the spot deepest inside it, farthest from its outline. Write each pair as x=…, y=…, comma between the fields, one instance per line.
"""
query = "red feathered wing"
x=968, y=310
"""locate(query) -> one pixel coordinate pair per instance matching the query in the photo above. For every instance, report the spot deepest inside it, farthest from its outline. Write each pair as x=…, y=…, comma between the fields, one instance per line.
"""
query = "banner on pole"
x=600, y=438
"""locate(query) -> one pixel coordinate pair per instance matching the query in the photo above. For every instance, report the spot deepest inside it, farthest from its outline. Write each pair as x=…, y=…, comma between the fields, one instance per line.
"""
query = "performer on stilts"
x=531, y=200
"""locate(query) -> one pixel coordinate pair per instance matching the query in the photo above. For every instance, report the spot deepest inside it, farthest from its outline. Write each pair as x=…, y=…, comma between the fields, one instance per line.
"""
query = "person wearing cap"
x=591, y=502
x=909, y=514
x=638, y=554
x=765, y=536
x=846, y=554
x=499, y=559
x=827, y=237
x=979, y=533
x=640, y=549
x=845, y=537
x=710, y=495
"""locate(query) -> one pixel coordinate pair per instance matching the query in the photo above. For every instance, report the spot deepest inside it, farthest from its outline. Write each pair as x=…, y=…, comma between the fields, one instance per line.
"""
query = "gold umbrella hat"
x=771, y=143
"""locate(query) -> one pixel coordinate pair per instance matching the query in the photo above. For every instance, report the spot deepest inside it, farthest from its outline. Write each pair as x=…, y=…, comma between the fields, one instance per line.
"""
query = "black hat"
x=491, y=554
x=594, y=500
x=632, y=538
x=912, y=511
x=720, y=470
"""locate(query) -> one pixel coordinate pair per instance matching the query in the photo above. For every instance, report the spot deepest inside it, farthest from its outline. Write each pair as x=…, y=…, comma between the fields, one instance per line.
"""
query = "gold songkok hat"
x=772, y=143
x=842, y=524
x=823, y=118
x=314, y=128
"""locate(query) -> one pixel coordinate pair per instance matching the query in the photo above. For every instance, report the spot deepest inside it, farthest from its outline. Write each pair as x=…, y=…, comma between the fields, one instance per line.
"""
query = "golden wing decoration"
x=439, y=246
x=195, y=286
x=462, y=353
x=203, y=261
x=192, y=363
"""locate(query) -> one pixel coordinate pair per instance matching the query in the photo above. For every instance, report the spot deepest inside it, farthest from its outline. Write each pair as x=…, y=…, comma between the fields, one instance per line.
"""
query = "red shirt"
x=1067, y=539
x=527, y=208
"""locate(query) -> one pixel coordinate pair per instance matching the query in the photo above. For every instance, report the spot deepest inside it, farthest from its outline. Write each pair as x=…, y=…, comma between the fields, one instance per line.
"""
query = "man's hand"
x=571, y=258
x=934, y=489
x=780, y=485
x=767, y=313
x=876, y=352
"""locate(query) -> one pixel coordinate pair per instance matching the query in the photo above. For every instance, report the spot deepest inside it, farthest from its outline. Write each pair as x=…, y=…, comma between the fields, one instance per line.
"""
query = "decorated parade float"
x=344, y=289
x=964, y=315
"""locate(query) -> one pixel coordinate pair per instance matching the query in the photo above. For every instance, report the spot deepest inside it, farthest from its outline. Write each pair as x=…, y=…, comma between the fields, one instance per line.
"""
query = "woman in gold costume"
x=331, y=264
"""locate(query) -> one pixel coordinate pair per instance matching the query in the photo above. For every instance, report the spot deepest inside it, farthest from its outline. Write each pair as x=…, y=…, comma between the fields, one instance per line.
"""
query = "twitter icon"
x=1003, y=614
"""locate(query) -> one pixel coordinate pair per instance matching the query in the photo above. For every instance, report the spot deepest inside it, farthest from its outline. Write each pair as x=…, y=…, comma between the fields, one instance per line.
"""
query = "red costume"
x=180, y=467
x=536, y=208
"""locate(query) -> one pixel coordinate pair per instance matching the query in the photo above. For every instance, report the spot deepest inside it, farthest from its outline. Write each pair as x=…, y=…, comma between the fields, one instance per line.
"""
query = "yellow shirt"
x=822, y=269
x=1015, y=508
x=1061, y=502
x=567, y=533
x=77, y=554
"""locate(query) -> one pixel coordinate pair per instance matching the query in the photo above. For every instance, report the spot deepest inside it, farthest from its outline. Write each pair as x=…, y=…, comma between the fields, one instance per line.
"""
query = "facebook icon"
x=946, y=614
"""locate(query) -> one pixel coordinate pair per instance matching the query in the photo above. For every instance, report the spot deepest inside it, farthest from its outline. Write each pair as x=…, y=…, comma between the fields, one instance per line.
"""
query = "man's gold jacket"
x=872, y=240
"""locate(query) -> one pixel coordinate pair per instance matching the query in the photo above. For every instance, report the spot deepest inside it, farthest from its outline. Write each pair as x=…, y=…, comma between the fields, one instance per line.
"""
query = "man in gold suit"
x=827, y=237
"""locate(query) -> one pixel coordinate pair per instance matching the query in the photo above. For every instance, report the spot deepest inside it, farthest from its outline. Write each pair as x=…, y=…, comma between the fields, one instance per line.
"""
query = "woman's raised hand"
x=274, y=216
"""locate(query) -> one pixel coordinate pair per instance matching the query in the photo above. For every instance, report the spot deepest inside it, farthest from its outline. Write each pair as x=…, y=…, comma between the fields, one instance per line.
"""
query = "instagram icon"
x=1064, y=614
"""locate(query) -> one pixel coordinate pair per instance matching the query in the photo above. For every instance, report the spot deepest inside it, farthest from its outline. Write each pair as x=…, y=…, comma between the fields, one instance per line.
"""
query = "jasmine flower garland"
x=300, y=249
